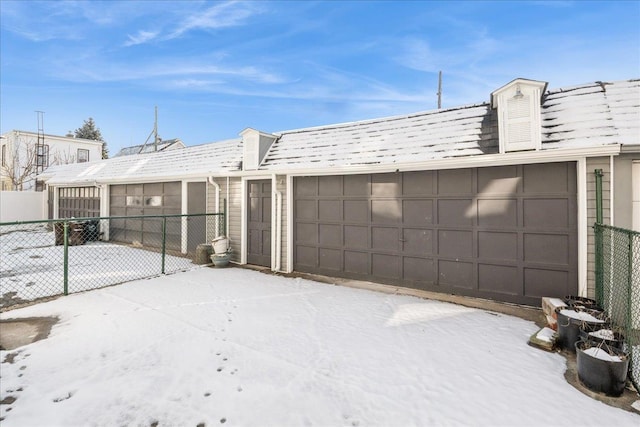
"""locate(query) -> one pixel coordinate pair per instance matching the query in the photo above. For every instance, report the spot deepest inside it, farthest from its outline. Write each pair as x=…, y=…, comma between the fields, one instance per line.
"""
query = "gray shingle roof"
x=200, y=160
x=589, y=115
x=169, y=144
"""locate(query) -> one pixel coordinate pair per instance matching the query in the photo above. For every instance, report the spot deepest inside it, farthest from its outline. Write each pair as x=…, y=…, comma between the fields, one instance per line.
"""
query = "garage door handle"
x=402, y=240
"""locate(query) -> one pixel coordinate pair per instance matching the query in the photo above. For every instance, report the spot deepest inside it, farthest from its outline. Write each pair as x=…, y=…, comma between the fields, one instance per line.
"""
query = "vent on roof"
x=255, y=145
x=519, y=122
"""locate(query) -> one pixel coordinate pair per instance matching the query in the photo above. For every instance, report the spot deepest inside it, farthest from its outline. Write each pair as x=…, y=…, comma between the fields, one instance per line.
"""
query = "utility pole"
x=439, y=90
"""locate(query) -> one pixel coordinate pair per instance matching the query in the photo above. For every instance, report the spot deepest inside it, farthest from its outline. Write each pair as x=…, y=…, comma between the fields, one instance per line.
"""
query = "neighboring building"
x=493, y=200
x=22, y=158
x=167, y=145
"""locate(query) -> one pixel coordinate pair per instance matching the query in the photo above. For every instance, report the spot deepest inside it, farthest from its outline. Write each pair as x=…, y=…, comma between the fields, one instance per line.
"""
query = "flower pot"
x=601, y=367
x=221, y=260
x=601, y=334
x=220, y=244
x=569, y=322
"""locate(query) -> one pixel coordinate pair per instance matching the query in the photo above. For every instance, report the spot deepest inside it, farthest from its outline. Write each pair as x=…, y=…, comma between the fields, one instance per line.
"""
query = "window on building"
x=42, y=156
x=4, y=155
x=83, y=155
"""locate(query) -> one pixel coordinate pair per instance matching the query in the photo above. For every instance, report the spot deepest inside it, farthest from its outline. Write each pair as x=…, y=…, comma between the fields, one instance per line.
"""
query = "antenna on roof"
x=439, y=89
x=154, y=132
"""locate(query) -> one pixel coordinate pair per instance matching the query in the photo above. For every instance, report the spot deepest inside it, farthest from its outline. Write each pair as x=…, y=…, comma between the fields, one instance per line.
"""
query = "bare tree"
x=20, y=166
x=63, y=157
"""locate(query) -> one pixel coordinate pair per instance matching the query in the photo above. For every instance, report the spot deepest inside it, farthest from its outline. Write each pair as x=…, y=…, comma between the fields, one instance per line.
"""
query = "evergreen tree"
x=88, y=130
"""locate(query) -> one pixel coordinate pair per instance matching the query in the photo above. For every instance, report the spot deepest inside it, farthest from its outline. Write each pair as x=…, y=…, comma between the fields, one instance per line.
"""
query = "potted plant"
x=602, y=367
x=570, y=319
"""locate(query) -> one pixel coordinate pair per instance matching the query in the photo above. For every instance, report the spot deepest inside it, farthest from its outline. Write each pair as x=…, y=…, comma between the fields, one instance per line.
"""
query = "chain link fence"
x=40, y=259
x=618, y=285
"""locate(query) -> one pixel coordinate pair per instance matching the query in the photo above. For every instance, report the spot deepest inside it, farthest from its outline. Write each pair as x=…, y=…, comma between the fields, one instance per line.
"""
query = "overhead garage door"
x=505, y=233
x=133, y=200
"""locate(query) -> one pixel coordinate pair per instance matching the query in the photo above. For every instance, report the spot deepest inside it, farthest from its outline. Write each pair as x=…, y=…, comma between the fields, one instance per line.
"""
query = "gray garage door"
x=504, y=233
x=78, y=202
x=164, y=198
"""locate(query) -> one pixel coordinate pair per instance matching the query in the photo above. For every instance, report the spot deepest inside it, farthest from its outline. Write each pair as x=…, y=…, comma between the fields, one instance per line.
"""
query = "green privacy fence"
x=618, y=285
x=40, y=259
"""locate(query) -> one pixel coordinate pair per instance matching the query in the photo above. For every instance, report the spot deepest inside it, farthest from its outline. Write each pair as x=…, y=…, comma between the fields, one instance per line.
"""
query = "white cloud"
x=141, y=37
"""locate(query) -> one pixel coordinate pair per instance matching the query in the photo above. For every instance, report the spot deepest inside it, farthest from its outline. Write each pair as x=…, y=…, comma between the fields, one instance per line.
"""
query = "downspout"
x=217, y=200
x=598, y=173
x=226, y=219
x=217, y=187
x=278, y=225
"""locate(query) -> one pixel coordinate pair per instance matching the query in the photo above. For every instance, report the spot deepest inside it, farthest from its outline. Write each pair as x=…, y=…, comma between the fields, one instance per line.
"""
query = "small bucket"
x=220, y=245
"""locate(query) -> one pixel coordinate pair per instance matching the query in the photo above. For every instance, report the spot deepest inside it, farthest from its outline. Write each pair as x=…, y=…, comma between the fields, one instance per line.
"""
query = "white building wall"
x=20, y=145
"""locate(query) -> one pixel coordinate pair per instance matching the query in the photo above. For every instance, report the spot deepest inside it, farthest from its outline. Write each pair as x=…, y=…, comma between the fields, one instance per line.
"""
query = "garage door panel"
x=417, y=241
x=542, y=178
x=456, y=212
x=330, y=259
x=356, y=237
x=330, y=186
x=329, y=210
x=356, y=185
x=386, y=211
x=385, y=185
x=305, y=209
x=356, y=210
x=499, y=278
x=385, y=266
x=306, y=256
x=498, y=180
x=497, y=245
x=417, y=212
x=455, y=181
x=306, y=186
x=306, y=233
x=455, y=243
x=419, y=269
x=546, y=248
x=330, y=235
x=498, y=212
x=385, y=239
x=546, y=213
x=456, y=273
x=417, y=183
x=356, y=262
x=544, y=282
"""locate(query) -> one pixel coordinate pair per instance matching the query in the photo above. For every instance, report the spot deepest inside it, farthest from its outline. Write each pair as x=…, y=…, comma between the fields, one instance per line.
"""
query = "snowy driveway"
x=238, y=347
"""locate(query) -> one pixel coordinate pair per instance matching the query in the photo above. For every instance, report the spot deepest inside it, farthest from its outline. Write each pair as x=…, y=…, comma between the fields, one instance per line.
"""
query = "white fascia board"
x=514, y=158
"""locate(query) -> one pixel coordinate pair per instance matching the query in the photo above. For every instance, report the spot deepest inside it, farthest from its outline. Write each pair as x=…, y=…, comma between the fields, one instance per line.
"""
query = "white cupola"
x=519, y=121
x=255, y=145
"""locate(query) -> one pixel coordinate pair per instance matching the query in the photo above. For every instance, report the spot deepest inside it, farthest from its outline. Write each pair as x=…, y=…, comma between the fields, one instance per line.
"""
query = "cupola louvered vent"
x=519, y=122
x=255, y=145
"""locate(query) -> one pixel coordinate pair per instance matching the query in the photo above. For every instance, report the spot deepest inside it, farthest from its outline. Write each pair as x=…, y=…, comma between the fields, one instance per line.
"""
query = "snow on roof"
x=200, y=160
x=590, y=115
x=594, y=114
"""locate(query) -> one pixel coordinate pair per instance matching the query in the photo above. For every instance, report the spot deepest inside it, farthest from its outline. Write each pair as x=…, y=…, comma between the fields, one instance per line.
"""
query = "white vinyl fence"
x=23, y=206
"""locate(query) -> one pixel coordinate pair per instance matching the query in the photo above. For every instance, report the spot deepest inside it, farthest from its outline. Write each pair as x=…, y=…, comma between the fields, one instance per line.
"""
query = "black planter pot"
x=604, y=376
x=601, y=334
x=581, y=303
x=569, y=322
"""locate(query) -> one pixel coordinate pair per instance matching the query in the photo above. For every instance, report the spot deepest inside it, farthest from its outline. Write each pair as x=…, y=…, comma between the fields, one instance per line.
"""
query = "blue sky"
x=216, y=68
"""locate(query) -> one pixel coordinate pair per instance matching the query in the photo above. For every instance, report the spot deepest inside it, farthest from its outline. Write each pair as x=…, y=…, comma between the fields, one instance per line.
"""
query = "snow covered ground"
x=31, y=266
x=238, y=347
